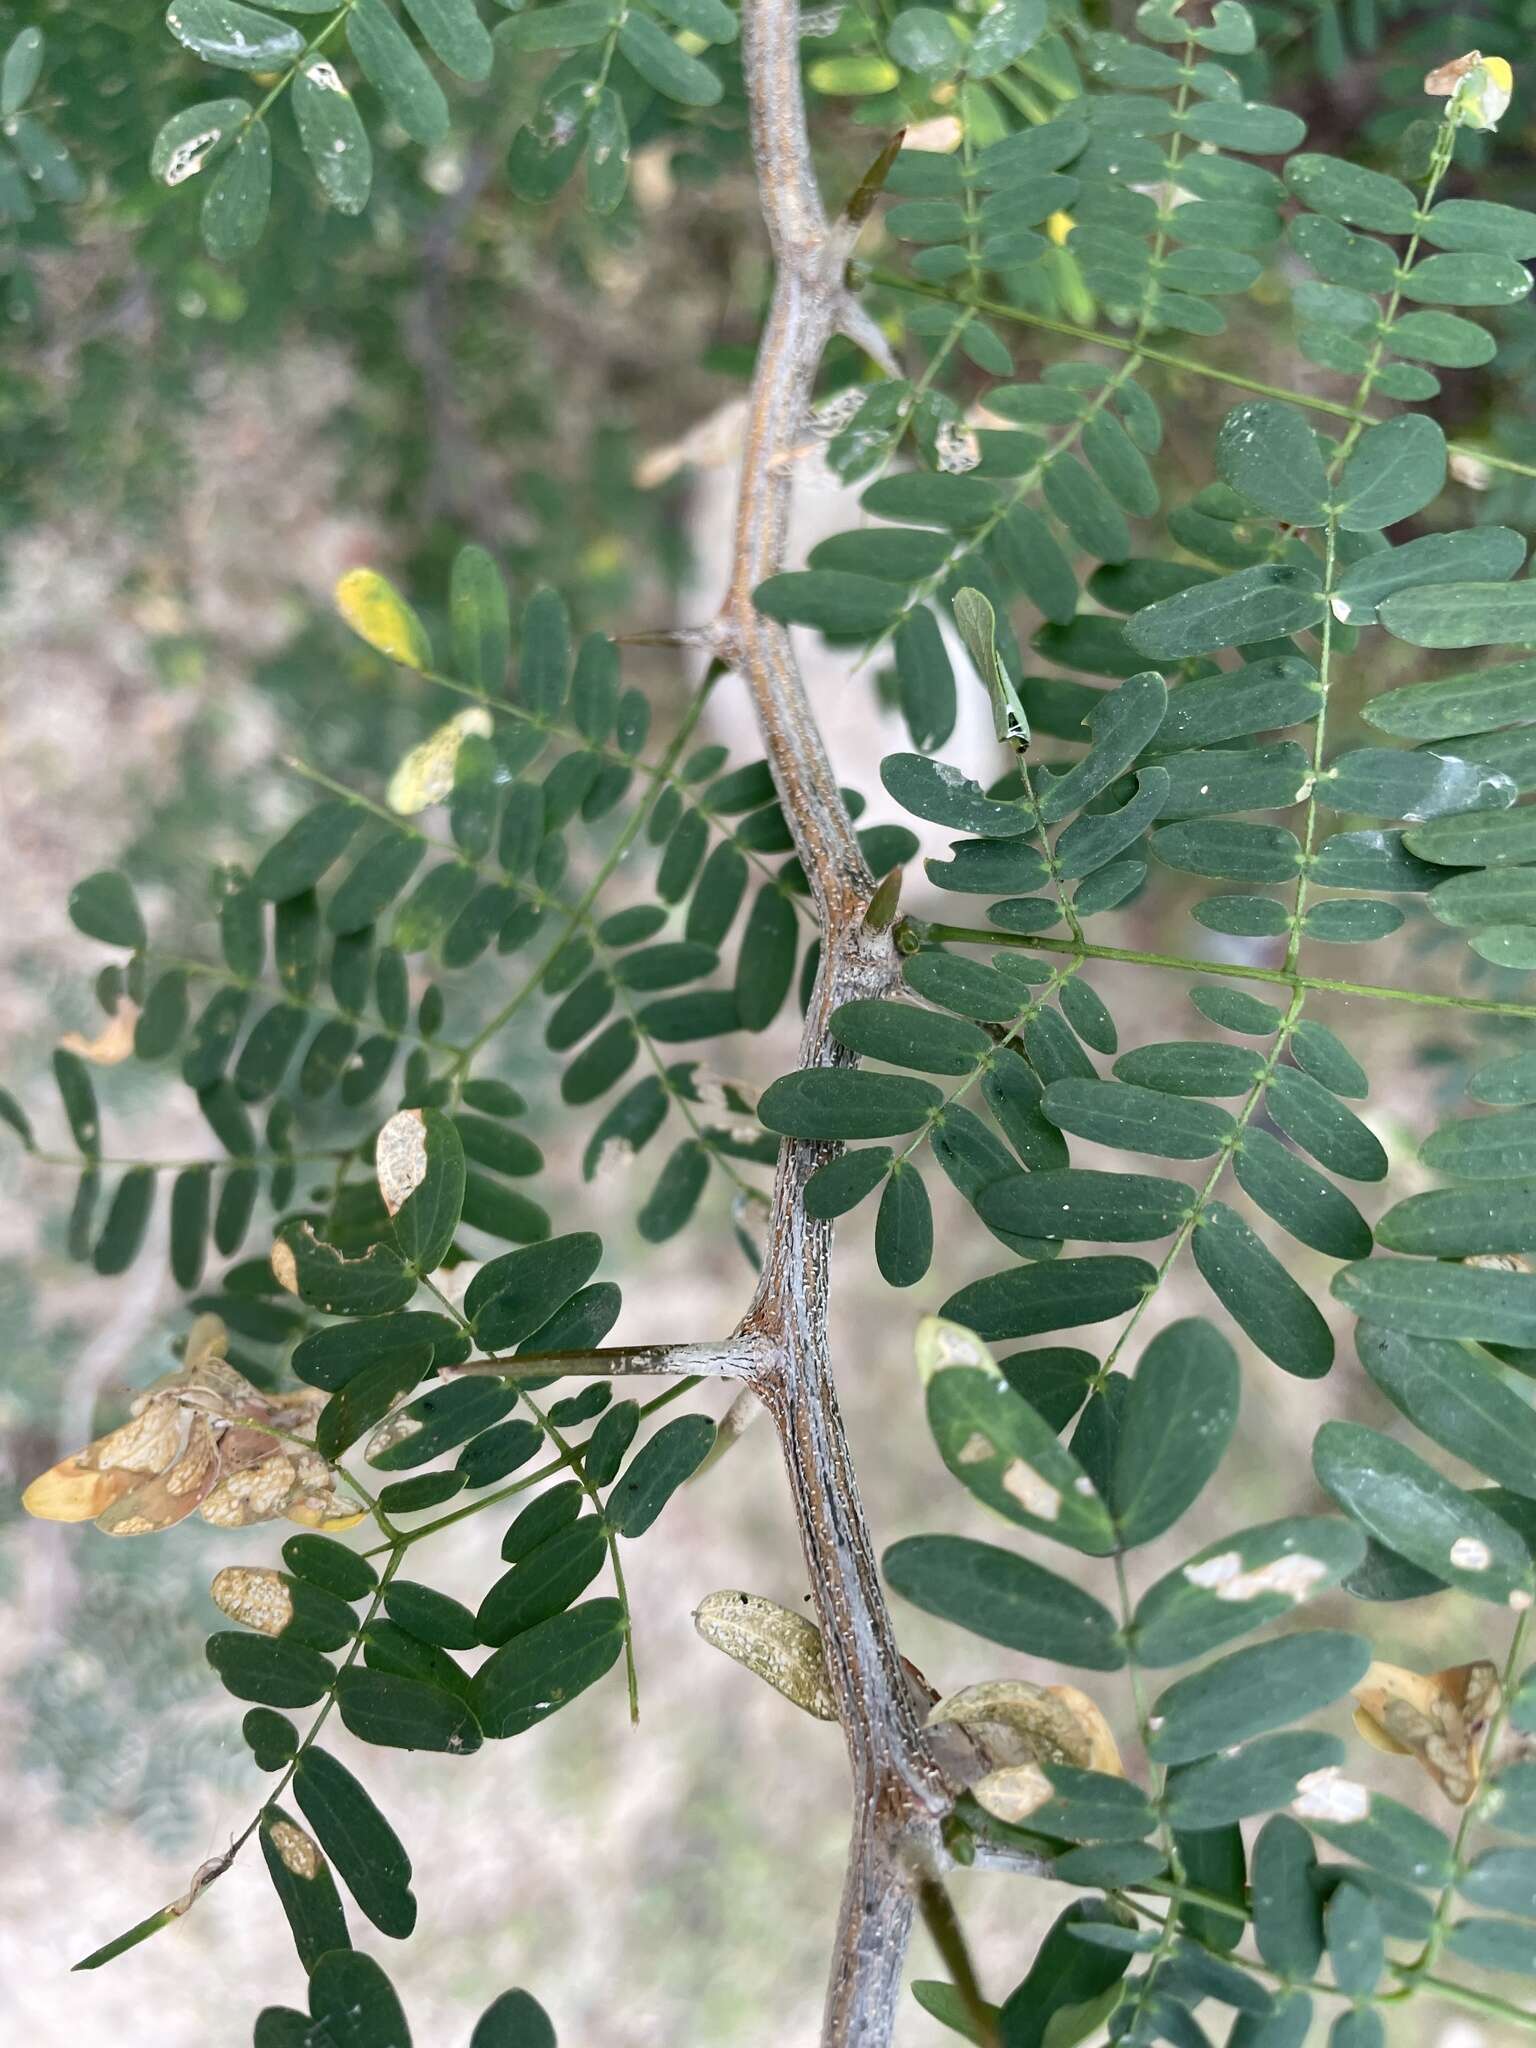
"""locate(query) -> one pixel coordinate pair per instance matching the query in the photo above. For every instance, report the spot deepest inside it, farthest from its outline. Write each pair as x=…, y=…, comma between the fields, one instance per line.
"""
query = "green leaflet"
x=514, y=2020
x=1479, y=554
x=1458, y=1399
x=351, y=2003
x=828, y=1102
x=1407, y=1506
x=1000, y=1449
x=1495, y=1945
x=1137, y=1119
x=1268, y=453
x=904, y=1227
x=1395, y=470
x=1254, y=1778
x=1260, y=1295
x=906, y=1036
x=1253, y=604
x=1311, y=1114
x=398, y=1712
x=269, y=1671
x=837, y=602
x=1393, y=1839
x=1006, y=1598
x=934, y=790
x=1301, y=1200
x=1287, y=1906
x=1251, y=1691
x=1458, y=1223
x=1177, y=1424
x=1122, y=724
x=546, y=1666
x=365, y=1850
x=241, y=38
x=389, y=60
x=1428, y=1298
x=1070, y=1202
x=1027, y=1300
x=1463, y=615
x=1494, y=838
x=103, y=907
x=656, y=1471
x=333, y=135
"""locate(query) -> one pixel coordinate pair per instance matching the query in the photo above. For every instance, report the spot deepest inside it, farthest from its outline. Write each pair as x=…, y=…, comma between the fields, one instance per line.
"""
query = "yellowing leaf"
x=425, y=776
x=1479, y=88
x=1439, y=1717
x=377, y=613
x=113, y=1043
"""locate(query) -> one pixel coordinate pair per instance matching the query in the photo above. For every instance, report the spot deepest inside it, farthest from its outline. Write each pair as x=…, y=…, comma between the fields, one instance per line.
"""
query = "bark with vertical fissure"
x=899, y=1791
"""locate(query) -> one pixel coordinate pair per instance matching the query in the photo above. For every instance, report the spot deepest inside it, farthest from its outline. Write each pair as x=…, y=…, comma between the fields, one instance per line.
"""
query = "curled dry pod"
x=1439, y=1717
x=781, y=1647
x=1013, y=1722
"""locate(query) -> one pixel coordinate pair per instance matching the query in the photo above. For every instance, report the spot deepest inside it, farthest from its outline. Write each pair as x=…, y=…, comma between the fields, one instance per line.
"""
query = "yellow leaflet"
x=377, y=613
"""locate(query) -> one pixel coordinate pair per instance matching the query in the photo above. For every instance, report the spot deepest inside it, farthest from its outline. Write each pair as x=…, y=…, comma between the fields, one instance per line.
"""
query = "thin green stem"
x=574, y=1462
x=983, y=1065
x=1167, y=359
x=943, y=1924
x=1206, y=1193
x=913, y=934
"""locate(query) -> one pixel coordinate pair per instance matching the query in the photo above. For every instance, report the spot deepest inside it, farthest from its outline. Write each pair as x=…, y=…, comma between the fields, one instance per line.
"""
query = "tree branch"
x=736, y=1358
x=899, y=1790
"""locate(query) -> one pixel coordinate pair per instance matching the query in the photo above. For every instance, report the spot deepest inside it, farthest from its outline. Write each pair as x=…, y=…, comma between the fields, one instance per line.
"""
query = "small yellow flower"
x=1479, y=88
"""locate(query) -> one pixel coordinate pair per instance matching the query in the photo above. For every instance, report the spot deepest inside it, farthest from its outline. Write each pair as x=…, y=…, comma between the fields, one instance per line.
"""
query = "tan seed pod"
x=1015, y=1722
x=781, y=1647
x=1014, y=1792
x=1438, y=1717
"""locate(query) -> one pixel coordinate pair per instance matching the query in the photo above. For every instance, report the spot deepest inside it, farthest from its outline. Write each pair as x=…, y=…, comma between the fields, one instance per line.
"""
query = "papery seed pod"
x=779, y=1646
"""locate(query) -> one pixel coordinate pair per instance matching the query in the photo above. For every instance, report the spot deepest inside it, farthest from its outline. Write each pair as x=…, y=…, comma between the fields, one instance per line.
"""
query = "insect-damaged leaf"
x=999, y=1448
x=1241, y=1582
x=1407, y=1506
x=419, y=1162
